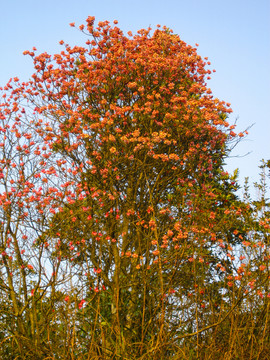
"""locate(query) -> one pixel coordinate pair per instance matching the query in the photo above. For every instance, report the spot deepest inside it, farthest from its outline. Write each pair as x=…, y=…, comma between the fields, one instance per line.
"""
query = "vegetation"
x=122, y=236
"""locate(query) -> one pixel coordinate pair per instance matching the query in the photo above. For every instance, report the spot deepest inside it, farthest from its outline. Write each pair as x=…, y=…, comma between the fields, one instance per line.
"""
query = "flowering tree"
x=129, y=200
x=26, y=199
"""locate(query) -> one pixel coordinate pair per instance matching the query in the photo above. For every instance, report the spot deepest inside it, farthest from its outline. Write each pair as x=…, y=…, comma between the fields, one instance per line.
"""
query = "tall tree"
x=141, y=215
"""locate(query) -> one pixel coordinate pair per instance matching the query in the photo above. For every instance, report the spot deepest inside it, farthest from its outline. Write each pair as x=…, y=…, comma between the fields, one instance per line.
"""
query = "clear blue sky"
x=234, y=34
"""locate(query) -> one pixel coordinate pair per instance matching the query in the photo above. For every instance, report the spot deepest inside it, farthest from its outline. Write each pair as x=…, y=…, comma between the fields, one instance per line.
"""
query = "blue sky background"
x=234, y=34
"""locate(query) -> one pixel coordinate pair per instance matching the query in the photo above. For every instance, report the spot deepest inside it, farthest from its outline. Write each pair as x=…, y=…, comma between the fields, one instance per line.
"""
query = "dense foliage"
x=122, y=236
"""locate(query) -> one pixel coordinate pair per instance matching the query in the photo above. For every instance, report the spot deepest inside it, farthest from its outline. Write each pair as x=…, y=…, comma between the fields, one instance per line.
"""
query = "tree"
x=26, y=198
x=140, y=213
